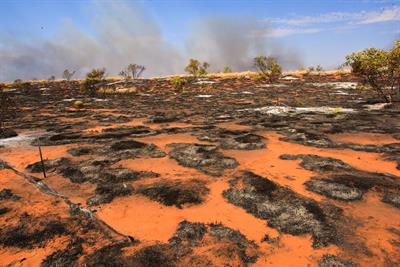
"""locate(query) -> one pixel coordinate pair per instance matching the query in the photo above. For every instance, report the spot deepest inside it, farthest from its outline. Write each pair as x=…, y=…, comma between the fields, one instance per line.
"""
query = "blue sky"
x=321, y=32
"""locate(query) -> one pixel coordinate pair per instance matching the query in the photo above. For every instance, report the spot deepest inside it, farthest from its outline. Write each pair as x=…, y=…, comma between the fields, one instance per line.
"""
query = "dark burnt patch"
x=215, y=134
x=109, y=118
x=106, y=192
x=194, y=235
x=107, y=256
x=339, y=180
x=73, y=173
x=80, y=151
x=121, y=132
x=205, y=158
x=156, y=255
x=7, y=133
x=37, y=167
x=58, y=139
x=149, y=256
x=127, y=149
x=188, y=232
x=31, y=232
x=66, y=257
x=392, y=199
x=319, y=164
x=232, y=139
x=162, y=117
x=284, y=209
x=366, y=181
x=176, y=193
x=309, y=138
x=4, y=210
x=329, y=260
x=128, y=144
x=71, y=137
x=7, y=194
x=3, y=165
x=244, y=142
x=223, y=245
x=92, y=170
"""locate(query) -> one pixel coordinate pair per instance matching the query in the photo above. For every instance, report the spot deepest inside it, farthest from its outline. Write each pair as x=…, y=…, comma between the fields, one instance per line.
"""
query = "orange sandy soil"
x=149, y=221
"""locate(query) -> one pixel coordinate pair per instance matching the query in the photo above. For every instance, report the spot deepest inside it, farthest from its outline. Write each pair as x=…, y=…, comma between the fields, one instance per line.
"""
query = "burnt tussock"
x=284, y=209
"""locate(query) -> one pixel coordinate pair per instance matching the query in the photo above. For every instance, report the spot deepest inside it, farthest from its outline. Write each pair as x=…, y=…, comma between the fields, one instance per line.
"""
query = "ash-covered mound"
x=205, y=158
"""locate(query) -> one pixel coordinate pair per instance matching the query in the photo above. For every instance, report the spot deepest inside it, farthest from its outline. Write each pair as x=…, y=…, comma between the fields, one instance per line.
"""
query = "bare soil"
x=232, y=172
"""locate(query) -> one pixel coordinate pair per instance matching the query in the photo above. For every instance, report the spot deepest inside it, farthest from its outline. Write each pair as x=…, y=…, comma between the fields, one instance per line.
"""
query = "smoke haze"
x=123, y=34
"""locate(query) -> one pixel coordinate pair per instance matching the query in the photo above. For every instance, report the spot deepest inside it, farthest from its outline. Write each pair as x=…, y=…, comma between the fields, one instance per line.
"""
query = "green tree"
x=380, y=69
x=268, y=68
x=196, y=68
x=227, y=69
x=94, y=78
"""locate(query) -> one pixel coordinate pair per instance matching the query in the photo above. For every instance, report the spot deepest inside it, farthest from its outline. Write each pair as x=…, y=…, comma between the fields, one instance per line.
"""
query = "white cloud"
x=282, y=32
x=362, y=17
x=323, y=18
x=384, y=15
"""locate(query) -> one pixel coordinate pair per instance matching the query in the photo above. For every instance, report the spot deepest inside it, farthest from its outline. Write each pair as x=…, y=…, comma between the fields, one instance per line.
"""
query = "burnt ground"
x=232, y=171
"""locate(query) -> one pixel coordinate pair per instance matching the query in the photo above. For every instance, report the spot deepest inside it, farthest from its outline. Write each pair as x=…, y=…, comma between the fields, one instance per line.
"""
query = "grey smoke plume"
x=123, y=34
x=234, y=42
x=226, y=42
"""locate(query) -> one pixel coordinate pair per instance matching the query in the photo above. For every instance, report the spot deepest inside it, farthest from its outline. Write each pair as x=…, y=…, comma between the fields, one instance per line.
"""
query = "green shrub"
x=196, y=68
x=380, y=69
x=94, y=78
x=268, y=68
x=178, y=83
x=96, y=74
x=227, y=69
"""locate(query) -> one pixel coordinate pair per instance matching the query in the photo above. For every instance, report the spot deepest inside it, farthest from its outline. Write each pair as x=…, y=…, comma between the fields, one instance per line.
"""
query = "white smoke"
x=124, y=34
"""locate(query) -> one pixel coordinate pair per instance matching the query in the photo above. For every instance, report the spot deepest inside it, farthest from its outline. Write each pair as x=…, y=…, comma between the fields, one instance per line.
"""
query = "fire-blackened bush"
x=268, y=68
x=27, y=234
x=93, y=78
x=133, y=71
x=380, y=69
x=196, y=68
x=67, y=75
